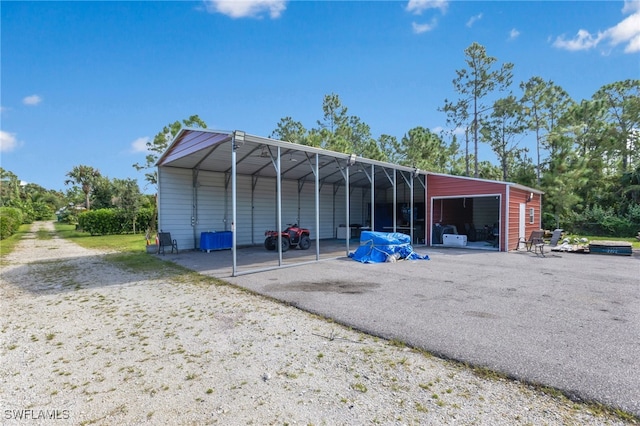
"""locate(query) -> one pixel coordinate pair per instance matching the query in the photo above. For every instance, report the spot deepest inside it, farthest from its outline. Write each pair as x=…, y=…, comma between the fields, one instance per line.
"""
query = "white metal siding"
x=175, y=205
x=256, y=207
x=327, y=222
x=264, y=208
x=211, y=215
x=307, y=216
x=289, y=207
x=243, y=211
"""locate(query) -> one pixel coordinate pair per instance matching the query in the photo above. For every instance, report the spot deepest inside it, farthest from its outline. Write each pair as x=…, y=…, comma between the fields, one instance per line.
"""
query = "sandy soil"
x=85, y=341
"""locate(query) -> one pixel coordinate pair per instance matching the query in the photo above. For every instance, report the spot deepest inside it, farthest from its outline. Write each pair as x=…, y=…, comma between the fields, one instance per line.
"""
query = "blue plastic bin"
x=215, y=240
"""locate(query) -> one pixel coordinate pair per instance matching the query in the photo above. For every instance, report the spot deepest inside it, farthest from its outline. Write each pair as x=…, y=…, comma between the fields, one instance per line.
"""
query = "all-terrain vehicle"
x=293, y=236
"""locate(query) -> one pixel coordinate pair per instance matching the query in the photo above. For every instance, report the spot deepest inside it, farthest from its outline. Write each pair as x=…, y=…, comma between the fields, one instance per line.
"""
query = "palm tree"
x=85, y=176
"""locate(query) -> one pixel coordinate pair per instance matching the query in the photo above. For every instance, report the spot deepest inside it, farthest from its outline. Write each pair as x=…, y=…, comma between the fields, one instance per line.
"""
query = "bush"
x=114, y=221
x=145, y=219
x=41, y=211
x=99, y=222
x=604, y=222
x=10, y=221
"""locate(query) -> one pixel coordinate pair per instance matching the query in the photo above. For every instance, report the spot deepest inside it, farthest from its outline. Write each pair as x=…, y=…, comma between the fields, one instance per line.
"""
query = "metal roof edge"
x=512, y=184
x=180, y=133
x=322, y=151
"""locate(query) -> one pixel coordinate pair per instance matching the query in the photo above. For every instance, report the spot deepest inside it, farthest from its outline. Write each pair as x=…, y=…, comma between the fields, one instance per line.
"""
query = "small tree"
x=127, y=198
x=85, y=177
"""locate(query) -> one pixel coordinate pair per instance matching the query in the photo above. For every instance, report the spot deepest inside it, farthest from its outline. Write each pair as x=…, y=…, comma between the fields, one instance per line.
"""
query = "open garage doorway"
x=468, y=222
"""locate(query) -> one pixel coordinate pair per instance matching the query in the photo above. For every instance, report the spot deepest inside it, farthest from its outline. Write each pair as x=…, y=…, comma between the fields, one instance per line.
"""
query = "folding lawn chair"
x=164, y=240
x=535, y=242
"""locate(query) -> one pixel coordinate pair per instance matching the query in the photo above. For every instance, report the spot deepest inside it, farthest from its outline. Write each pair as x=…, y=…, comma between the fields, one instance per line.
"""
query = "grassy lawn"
x=7, y=245
x=122, y=243
x=131, y=253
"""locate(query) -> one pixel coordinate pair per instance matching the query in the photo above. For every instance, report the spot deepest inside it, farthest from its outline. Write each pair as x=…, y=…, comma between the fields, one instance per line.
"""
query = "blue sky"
x=89, y=82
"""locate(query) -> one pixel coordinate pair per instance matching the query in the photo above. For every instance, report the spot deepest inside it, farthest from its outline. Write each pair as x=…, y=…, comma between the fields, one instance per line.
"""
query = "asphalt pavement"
x=569, y=321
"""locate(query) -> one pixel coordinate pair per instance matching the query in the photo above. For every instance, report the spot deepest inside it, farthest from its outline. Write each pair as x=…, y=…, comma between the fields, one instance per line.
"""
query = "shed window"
x=531, y=215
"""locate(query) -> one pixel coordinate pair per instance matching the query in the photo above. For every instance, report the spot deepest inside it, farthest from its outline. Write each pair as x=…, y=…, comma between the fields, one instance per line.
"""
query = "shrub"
x=99, y=222
x=604, y=222
x=114, y=221
x=41, y=211
x=145, y=219
x=10, y=221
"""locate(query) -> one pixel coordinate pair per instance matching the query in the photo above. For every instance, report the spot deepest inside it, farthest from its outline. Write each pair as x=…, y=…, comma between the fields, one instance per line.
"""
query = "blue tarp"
x=378, y=247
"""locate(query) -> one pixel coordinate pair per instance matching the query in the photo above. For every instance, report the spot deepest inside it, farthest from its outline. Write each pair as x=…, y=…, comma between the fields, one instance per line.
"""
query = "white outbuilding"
x=241, y=184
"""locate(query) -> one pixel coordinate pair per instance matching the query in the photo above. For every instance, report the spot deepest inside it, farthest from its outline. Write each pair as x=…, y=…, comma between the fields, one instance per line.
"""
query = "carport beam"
x=234, y=203
x=317, y=190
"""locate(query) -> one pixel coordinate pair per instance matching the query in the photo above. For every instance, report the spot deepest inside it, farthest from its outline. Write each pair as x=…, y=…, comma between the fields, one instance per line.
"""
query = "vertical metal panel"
x=327, y=228
x=243, y=211
x=264, y=207
x=210, y=210
x=307, y=208
x=175, y=205
x=290, y=200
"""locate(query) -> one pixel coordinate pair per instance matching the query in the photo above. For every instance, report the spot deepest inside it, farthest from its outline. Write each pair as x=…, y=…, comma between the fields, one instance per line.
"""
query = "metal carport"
x=235, y=156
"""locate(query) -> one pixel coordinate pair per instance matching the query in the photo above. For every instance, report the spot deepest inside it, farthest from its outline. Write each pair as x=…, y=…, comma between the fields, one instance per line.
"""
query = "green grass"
x=121, y=243
x=8, y=244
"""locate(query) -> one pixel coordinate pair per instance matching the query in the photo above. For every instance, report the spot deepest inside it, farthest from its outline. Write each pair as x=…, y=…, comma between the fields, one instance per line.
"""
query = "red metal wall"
x=517, y=196
x=456, y=186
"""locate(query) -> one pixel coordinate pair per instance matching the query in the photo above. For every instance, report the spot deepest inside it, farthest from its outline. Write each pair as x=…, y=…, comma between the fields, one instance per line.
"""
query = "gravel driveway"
x=87, y=341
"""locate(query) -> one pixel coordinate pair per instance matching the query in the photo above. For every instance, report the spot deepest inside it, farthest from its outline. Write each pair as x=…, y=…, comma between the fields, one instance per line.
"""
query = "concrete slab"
x=569, y=321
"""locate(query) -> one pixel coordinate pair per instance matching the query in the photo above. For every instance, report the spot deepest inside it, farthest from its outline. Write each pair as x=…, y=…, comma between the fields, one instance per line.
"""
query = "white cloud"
x=626, y=32
x=418, y=6
x=513, y=34
x=246, y=8
x=473, y=20
x=582, y=41
x=631, y=6
x=8, y=141
x=32, y=100
x=140, y=144
x=423, y=28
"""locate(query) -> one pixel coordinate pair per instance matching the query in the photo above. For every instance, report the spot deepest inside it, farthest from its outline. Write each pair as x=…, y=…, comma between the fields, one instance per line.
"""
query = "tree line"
x=586, y=157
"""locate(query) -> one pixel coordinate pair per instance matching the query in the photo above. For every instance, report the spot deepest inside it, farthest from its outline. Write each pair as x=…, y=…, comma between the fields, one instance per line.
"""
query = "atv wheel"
x=305, y=242
x=269, y=243
x=285, y=244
